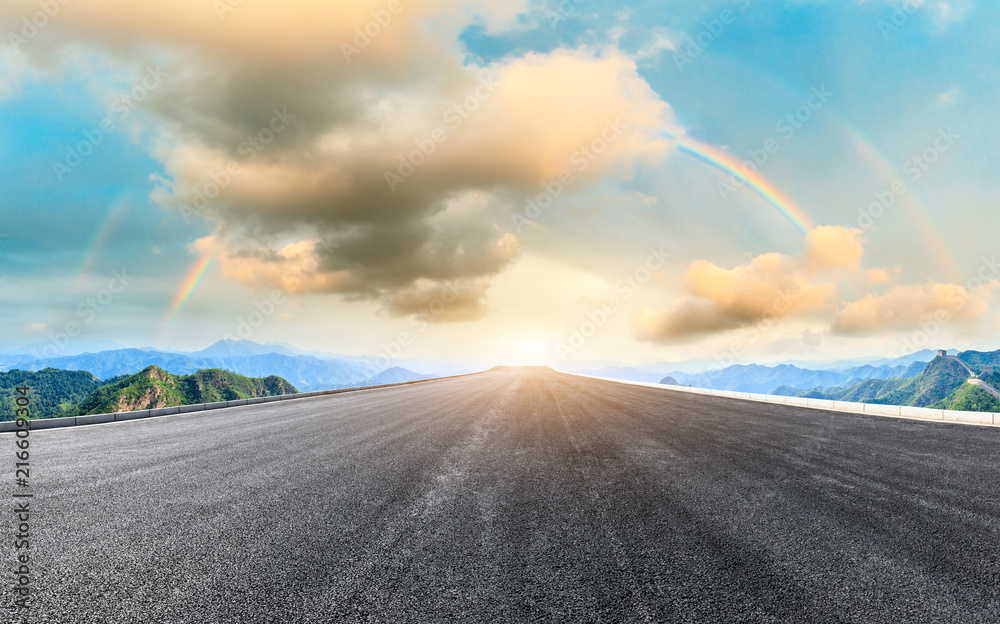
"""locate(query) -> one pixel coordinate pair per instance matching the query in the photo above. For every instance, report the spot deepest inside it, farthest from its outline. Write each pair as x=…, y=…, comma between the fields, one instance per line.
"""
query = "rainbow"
x=921, y=214
x=753, y=180
x=188, y=287
x=918, y=210
x=101, y=238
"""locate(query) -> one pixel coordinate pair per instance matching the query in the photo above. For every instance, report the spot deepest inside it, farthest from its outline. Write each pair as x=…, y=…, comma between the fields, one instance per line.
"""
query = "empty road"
x=518, y=495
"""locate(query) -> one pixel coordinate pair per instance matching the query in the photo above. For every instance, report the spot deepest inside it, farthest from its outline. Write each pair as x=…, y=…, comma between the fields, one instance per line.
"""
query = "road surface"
x=518, y=495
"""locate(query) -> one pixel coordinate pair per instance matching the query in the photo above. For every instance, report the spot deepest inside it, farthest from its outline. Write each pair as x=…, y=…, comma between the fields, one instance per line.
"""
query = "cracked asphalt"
x=518, y=495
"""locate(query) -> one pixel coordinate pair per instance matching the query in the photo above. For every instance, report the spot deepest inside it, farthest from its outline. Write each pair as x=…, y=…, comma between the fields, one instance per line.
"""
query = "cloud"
x=878, y=276
x=907, y=307
x=948, y=97
x=831, y=248
x=268, y=32
x=769, y=287
x=947, y=14
x=313, y=199
x=773, y=286
x=660, y=44
x=943, y=14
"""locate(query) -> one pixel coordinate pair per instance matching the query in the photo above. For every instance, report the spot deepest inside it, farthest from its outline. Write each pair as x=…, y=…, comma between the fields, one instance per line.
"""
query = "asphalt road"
x=518, y=495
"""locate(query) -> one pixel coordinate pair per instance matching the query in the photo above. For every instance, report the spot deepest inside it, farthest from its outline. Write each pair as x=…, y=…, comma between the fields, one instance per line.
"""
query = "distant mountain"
x=942, y=385
x=396, y=374
x=922, y=357
x=153, y=388
x=670, y=381
x=765, y=379
x=690, y=369
x=235, y=348
x=306, y=372
x=51, y=391
x=980, y=359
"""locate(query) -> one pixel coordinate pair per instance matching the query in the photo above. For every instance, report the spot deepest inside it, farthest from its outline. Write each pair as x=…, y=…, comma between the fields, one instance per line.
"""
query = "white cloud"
x=947, y=14
x=660, y=44
x=948, y=97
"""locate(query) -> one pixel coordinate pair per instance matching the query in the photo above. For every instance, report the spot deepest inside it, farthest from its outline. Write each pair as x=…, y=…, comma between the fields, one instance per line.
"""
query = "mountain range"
x=153, y=388
x=54, y=393
x=945, y=383
x=307, y=372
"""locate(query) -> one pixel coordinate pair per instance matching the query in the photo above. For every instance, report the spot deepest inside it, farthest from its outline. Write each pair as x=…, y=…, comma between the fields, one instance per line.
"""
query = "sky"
x=524, y=181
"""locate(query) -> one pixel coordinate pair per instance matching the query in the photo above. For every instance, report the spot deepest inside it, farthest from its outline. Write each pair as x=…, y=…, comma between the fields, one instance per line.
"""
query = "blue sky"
x=309, y=214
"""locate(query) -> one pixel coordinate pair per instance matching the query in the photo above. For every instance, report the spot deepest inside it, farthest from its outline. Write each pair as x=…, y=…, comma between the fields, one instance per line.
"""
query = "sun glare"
x=530, y=352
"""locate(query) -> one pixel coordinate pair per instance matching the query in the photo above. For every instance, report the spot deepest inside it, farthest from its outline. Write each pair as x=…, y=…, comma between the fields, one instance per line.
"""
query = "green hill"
x=970, y=398
x=153, y=388
x=979, y=360
x=52, y=391
x=941, y=377
x=942, y=385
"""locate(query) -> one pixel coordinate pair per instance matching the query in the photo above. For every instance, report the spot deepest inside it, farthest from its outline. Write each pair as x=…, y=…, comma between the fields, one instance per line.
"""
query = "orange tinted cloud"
x=906, y=307
x=830, y=248
x=358, y=106
x=771, y=286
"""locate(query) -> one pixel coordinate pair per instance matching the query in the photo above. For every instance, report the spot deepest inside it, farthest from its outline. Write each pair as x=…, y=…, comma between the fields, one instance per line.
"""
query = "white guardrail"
x=897, y=411
x=97, y=419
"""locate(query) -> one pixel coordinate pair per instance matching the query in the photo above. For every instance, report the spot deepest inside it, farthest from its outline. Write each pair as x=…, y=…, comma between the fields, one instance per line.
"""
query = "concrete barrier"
x=979, y=418
x=921, y=412
x=897, y=411
x=10, y=426
x=847, y=406
x=95, y=419
x=53, y=423
x=881, y=410
x=122, y=416
x=821, y=403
